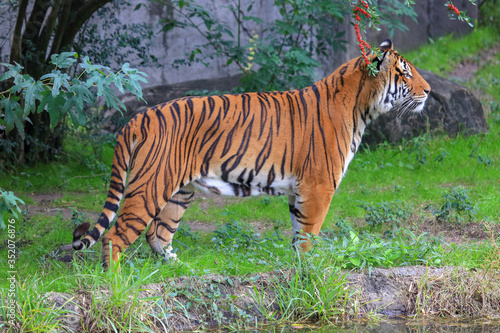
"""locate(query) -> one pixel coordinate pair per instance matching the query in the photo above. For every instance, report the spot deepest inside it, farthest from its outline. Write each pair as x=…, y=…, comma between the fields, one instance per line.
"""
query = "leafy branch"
x=59, y=94
x=277, y=55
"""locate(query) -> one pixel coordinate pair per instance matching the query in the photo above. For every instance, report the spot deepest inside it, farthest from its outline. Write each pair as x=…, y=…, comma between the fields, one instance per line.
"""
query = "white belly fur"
x=214, y=184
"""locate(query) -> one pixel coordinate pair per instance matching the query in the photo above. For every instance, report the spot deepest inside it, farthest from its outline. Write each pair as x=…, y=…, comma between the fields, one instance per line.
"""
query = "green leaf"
x=113, y=101
x=77, y=116
x=355, y=261
x=58, y=80
x=11, y=110
x=81, y=94
x=64, y=59
x=54, y=107
x=118, y=81
x=14, y=70
x=92, y=69
x=31, y=95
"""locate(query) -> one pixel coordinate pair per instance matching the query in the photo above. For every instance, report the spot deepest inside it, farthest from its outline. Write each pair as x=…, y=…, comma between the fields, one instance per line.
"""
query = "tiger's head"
x=405, y=90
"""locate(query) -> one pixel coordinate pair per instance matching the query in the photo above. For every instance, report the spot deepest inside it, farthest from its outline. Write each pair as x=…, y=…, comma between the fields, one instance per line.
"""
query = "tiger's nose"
x=427, y=91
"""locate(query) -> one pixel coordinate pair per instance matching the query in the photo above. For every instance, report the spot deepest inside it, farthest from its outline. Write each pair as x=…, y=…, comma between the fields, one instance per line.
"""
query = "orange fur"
x=296, y=143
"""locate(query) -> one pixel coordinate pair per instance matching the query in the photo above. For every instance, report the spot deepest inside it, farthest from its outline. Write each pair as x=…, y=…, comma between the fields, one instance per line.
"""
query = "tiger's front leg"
x=308, y=210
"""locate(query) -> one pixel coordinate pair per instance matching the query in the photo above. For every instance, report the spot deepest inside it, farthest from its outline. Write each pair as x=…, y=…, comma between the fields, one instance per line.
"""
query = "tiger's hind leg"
x=133, y=220
x=308, y=211
x=164, y=226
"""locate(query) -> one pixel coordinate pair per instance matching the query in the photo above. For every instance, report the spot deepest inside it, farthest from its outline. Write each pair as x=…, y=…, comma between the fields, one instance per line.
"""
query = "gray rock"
x=451, y=108
x=69, y=309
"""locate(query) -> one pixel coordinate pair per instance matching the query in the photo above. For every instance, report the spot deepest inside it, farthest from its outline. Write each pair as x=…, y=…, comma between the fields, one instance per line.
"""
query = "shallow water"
x=401, y=325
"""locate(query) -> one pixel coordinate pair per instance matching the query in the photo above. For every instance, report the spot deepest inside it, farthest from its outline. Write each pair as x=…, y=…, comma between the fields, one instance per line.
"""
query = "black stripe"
x=242, y=149
x=111, y=206
x=211, y=106
x=229, y=138
x=320, y=125
x=241, y=177
x=85, y=244
x=94, y=234
x=225, y=105
x=270, y=177
x=103, y=221
x=210, y=133
x=356, y=64
x=208, y=156
x=111, y=195
x=342, y=72
x=262, y=97
x=295, y=211
x=283, y=161
x=166, y=226
x=179, y=203
x=266, y=151
x=304, y=105
x=292, y=125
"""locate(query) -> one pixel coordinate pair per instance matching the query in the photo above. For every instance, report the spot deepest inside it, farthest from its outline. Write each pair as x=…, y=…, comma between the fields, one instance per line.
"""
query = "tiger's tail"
x=119, y=169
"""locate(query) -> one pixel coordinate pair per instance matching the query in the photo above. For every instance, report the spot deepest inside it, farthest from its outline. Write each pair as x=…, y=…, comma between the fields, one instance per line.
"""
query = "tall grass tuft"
x=315, y=289
x=119, y=301
x=34, y=312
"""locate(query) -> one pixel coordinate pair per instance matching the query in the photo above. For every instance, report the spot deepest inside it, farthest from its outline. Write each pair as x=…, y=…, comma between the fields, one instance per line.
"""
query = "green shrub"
x=360, y=251
x=59, y=94
x=386, y=212
x=456, y=206
x=234, y=235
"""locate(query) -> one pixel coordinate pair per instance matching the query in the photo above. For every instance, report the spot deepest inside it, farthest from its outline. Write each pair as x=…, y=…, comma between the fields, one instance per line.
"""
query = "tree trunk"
x=52, y=25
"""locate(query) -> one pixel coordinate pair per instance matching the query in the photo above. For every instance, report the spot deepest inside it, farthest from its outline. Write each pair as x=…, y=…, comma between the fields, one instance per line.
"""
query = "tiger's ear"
x=385, y=48
x=386, y=45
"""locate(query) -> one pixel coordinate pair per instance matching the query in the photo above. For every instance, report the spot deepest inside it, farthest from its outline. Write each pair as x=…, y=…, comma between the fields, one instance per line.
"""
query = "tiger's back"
x=296, y=143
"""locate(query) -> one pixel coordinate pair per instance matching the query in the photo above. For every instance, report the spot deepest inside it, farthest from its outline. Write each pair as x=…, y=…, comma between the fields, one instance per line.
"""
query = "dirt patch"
x=466, y=70
x=51, y=204
x=459, y=233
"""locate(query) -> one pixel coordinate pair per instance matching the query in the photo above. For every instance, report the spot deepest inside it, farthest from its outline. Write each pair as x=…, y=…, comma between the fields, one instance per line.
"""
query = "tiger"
x=295, y=143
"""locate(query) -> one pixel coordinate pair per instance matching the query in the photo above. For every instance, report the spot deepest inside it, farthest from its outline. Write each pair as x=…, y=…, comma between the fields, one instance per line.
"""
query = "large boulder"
x=450, y=108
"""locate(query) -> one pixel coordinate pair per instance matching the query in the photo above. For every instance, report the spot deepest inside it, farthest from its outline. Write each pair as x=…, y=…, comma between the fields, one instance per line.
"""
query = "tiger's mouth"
x=409, y=104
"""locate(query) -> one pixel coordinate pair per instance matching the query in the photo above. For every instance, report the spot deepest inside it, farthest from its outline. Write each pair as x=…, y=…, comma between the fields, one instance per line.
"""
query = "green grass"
x=442, y=55
x=76, y=171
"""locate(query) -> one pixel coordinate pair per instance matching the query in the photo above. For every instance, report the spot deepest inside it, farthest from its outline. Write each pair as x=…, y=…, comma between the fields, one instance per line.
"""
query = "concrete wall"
x=433, y=22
